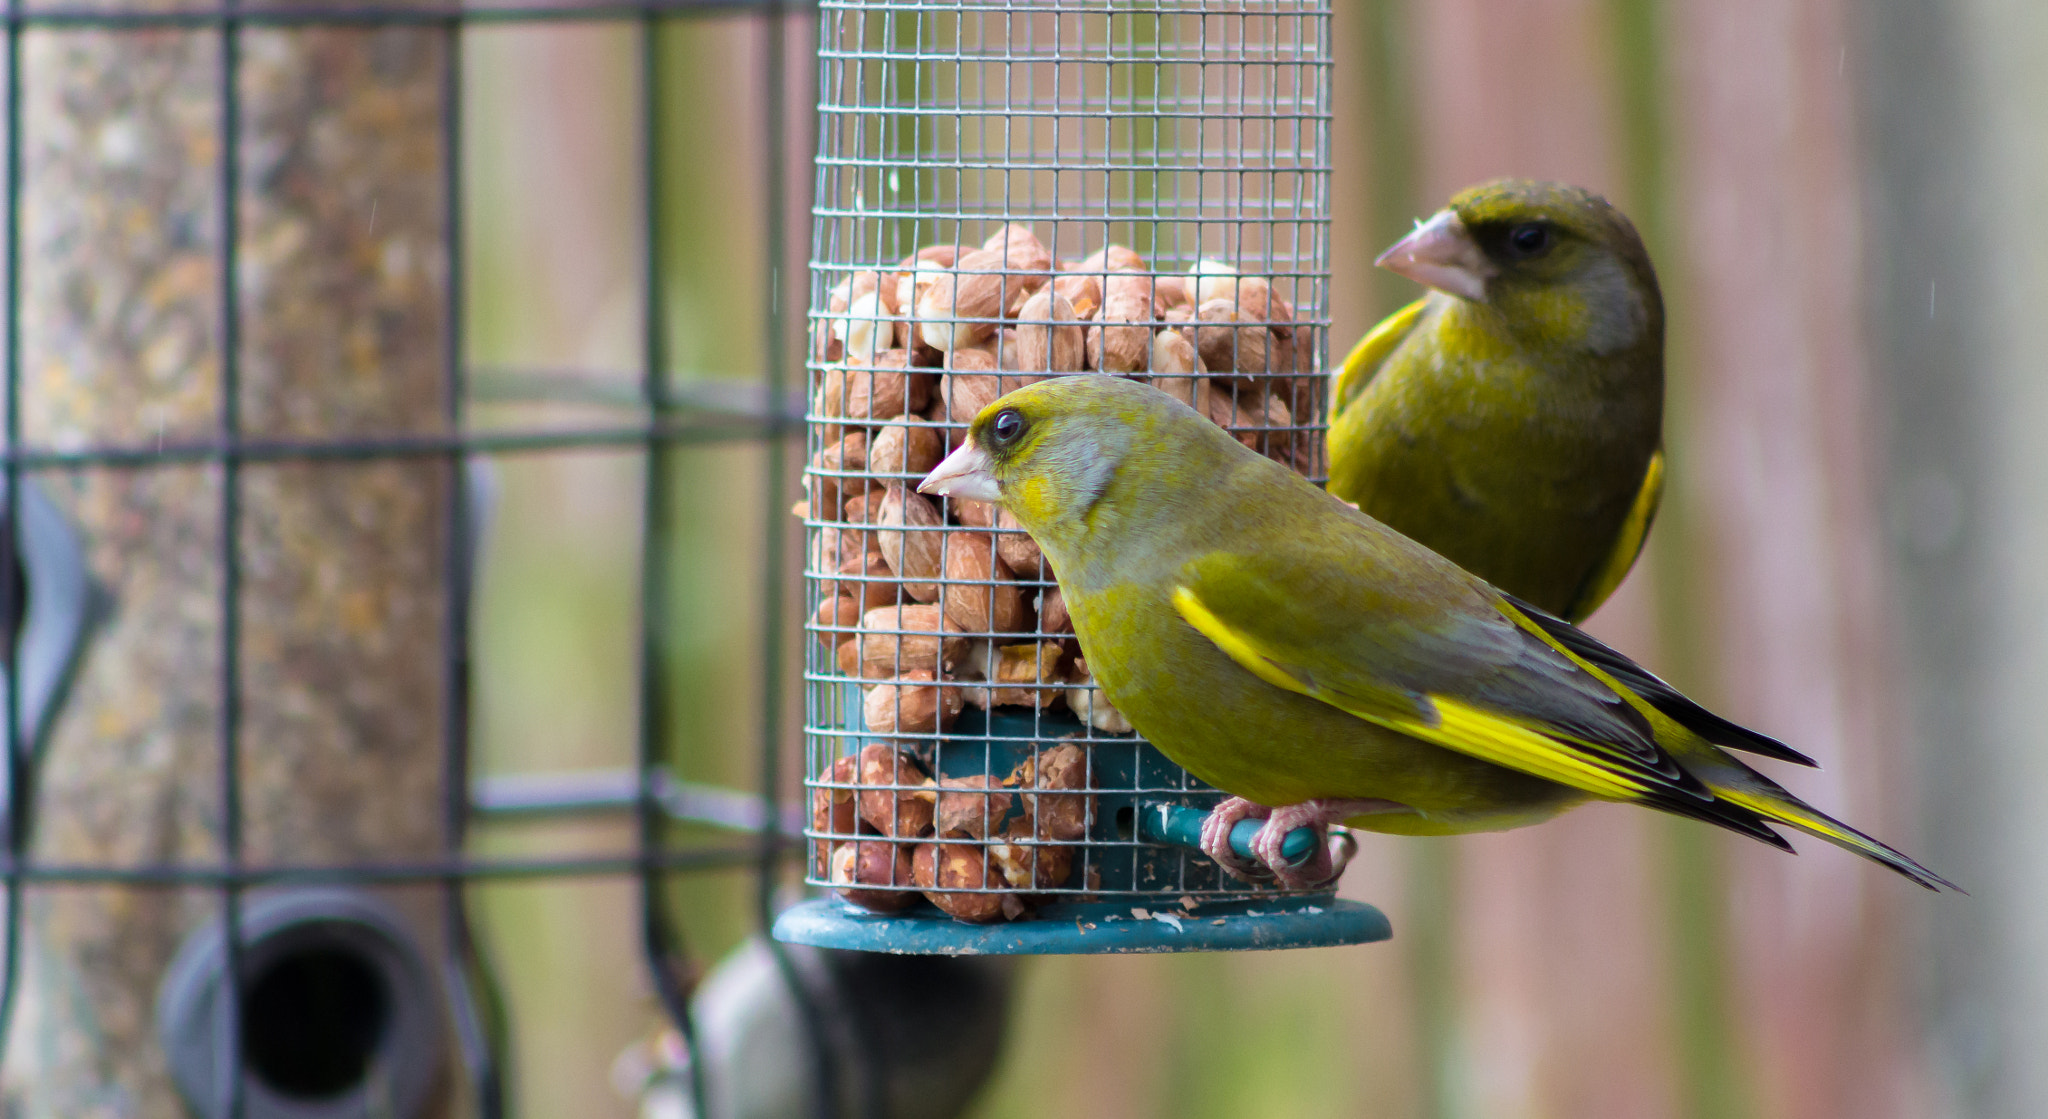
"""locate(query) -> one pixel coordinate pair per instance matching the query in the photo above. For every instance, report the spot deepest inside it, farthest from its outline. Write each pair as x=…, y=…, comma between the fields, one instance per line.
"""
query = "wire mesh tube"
x=1007, y=193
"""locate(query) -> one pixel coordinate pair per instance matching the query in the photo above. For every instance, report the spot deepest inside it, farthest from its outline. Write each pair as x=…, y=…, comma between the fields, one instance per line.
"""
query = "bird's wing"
x=1657, y=693
x=1488, y=683
x=1365, y=358
x=1628, y=543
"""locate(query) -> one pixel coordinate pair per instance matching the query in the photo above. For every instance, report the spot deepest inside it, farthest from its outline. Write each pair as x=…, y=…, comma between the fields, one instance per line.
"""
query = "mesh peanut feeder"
x=1006, y=194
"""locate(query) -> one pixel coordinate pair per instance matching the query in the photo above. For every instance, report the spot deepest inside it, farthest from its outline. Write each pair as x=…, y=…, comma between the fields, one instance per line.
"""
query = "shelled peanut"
x=975, y=872
x=935, y=605
x=879, y=792
x=978, y=847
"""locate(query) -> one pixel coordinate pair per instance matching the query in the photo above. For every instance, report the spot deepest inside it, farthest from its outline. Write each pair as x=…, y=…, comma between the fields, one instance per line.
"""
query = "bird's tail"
x=1782, y=807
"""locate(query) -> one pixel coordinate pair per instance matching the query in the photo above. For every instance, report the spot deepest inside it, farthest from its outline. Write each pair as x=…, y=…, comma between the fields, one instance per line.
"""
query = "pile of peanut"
x=936, y=605
x=970, y=845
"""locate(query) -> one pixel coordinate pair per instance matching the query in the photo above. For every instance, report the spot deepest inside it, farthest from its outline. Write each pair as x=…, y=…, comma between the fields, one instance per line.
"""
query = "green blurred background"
x=1844, y=204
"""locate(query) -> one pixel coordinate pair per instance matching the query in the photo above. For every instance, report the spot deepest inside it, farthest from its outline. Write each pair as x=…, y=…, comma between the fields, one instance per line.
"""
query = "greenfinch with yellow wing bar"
x=1322, y=668
x=1512, y=419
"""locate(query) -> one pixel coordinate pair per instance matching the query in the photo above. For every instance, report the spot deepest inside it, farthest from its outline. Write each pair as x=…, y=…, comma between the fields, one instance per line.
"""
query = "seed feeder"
x=1005, y=195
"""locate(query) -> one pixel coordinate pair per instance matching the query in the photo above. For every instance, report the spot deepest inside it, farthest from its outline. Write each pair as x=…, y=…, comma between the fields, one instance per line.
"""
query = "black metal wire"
x=826, y=1060
x=374, y=15
x=18, y=797
x=244, y=876
x=384, y=447
x=659, y=939
x=229, y=1009
x=476, y=1002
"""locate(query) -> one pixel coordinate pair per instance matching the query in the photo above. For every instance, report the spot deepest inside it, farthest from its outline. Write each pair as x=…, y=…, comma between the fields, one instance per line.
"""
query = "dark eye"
x=1529, y=239
x=1006, y=427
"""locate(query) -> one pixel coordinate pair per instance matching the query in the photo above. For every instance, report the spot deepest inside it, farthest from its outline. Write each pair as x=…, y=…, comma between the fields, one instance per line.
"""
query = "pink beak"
x=964, y=473
x=1442, y=254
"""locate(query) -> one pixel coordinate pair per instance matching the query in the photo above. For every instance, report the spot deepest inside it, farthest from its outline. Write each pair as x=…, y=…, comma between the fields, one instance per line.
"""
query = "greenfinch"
x=1319, y=666
x=1511, y=419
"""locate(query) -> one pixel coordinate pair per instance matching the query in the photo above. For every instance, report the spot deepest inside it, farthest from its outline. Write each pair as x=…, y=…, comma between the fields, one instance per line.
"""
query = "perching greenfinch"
x=1319, y=666
x=1511, y=419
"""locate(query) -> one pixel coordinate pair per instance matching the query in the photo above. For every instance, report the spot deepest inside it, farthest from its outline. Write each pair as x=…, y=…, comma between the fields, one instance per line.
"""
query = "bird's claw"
x=1332, y=852
x=1216, y=827
x=1318, y=869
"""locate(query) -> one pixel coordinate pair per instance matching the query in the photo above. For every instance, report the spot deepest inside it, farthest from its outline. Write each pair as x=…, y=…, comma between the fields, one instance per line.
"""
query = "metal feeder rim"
x=1093, y=928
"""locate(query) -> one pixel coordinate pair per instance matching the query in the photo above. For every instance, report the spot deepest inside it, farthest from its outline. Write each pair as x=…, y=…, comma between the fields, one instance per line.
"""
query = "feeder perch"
x=1005, y=195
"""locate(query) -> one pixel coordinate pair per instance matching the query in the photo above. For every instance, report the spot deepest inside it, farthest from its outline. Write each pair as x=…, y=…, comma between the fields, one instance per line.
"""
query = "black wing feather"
x=1659, y=694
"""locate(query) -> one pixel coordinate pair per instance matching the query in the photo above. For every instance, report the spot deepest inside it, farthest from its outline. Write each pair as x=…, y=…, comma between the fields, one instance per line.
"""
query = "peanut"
x=874, y=862
x=1172, y=292
x=1061, y=808
x=890, y=798
x=960, y=307
x=866, y=329
x=1019, y=677
x=881, y=391
x=973, y=807
x=832, y=548
x=913, y=704
x=1224, y=344
x=940, y=868
x=1020, y=250
x=1026, y=865
x=865, y=579
x=850, y=453
x=906, y=539
x=1016, y=549
x=1112, y=258
x=833, y=813
x=979, y=595
x=905, y=449
x=972, y=513
x=1047, y=340
x=1084, y=292
x=898, y=639
x=836, y=617
x=1117, y=348
x=1052, y=612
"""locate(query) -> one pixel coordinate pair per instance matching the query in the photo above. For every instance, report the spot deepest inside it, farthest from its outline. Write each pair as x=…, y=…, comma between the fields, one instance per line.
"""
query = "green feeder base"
x=1092, y=928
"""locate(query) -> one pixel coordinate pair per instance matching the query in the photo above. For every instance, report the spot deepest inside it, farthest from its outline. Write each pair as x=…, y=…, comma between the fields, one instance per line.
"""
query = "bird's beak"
x=965, y=473
x=1442, y=254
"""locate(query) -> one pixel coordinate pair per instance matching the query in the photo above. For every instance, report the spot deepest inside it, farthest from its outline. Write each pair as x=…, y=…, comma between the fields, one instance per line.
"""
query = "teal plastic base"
x=1093, y=928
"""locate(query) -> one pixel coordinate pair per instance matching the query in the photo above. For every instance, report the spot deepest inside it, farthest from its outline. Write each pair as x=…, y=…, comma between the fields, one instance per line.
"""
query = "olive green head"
x=1557, y=262
x=1052, y=451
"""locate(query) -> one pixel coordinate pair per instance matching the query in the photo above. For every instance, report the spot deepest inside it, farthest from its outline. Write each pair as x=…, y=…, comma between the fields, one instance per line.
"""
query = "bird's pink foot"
x=1216, y=837
x=1323, y=867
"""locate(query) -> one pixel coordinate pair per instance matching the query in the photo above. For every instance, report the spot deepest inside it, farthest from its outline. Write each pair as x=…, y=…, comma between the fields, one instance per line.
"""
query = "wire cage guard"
x=1005, y=193
x=255, y=890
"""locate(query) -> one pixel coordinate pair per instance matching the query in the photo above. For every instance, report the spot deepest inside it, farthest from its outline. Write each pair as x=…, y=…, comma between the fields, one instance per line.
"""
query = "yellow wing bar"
x=1500, y=739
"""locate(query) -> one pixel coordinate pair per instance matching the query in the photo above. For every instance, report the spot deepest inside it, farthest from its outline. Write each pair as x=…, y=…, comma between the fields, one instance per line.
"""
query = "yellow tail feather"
x=1812, y=821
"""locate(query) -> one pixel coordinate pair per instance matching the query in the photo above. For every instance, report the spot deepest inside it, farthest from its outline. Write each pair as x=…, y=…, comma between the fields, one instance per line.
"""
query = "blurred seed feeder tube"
x=339, y=1014
x=1004, y=195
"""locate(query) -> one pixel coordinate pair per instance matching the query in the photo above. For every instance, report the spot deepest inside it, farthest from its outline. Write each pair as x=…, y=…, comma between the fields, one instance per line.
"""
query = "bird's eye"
x=1007, y=426
x=1529, y=239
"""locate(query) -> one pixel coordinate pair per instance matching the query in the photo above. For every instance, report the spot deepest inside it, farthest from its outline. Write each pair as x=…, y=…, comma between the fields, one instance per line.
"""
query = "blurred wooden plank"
x=1562, y=1004
x=1956, y=95
x=1776, y=436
